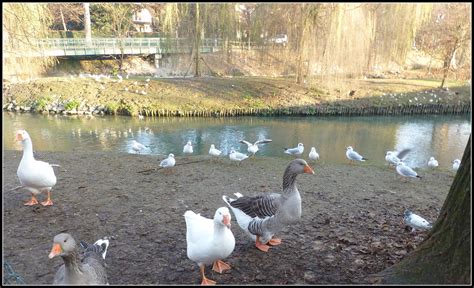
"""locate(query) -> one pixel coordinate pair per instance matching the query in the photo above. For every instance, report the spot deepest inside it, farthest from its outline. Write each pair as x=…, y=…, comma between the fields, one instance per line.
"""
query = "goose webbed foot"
x=220, y=266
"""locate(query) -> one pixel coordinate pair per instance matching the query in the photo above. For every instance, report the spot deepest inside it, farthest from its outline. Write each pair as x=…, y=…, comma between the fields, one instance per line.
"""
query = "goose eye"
x=65, y=240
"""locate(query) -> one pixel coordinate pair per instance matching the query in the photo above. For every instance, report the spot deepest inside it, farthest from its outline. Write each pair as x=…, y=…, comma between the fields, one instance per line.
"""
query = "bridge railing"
x=166, y=44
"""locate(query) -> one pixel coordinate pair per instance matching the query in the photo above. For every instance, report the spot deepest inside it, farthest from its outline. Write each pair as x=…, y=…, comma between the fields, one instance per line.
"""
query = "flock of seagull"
x=208, y=240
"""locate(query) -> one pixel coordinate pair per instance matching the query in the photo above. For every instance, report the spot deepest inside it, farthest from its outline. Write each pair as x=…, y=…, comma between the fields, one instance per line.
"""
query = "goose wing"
x=258, y=206
x=94, y=268
x=197, y=227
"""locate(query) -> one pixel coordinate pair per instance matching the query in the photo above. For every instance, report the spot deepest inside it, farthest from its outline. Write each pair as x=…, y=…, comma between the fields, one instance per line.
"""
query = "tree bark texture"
x=444, y=256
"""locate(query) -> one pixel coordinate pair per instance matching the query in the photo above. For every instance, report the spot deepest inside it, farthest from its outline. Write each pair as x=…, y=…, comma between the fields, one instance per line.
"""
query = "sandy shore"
x=350, y=225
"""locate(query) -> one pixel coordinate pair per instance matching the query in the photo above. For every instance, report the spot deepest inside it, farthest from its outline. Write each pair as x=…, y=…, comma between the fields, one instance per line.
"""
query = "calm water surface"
x=444, y=137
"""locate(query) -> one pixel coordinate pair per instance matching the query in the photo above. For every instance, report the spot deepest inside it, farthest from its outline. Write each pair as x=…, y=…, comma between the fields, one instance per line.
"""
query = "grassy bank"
x=210, y=97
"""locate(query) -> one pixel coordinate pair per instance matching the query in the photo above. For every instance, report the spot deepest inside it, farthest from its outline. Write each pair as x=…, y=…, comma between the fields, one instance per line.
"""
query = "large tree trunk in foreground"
x=444, y=256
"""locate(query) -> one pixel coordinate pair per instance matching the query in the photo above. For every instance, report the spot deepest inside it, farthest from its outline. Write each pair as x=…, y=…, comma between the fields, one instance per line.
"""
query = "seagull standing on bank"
x=295, y=151
x=313, y=155
x=433, y=163
x=456, y=164
x=188, y=148
x=406, y=171
x=237, y=156
x=214, y=152
x=353, y=155
x=415, y=221
x=168, y=162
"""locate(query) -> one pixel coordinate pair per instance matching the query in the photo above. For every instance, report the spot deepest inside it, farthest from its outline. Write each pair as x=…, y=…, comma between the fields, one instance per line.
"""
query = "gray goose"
x=264, y=215
x=91, y=270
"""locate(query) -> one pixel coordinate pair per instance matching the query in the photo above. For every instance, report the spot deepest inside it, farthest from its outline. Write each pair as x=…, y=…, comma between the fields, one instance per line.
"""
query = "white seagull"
x=137, y=146
x=295, y=151
x=393, y=157
x=237, y=156
x=313, y=155
x=415, y=221
x=406, y=171
x=433, y=163
x=168, y=162
x=456, y=164
x=188, y=148
x=214, y=152
x=353, y=155
x=253, y=148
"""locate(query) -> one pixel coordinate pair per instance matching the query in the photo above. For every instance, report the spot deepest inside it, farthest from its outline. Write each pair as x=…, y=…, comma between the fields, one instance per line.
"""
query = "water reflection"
x=443, y=137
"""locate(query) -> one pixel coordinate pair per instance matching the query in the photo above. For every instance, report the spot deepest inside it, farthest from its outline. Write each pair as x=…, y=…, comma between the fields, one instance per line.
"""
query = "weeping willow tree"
x=196, y=21
x=395, y=30
x=23, y=24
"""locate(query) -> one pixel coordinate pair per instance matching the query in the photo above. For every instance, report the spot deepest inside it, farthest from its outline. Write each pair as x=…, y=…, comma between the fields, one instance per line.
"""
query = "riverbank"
x=350, y=227
x=236, y=96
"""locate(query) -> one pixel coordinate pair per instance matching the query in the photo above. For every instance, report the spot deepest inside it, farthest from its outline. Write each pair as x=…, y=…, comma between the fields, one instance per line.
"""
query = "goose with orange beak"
x=36, y=176
x=209, y=241
x=262, y=216
x=89, y=270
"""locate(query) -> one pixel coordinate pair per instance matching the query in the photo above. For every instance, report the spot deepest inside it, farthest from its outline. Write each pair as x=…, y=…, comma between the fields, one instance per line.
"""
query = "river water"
x=442, y=136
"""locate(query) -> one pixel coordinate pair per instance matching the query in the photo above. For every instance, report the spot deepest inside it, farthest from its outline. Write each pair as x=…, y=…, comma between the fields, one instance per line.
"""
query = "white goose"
x=253, y=148
x=264, y=215
x=36, y=176
x=209, y=240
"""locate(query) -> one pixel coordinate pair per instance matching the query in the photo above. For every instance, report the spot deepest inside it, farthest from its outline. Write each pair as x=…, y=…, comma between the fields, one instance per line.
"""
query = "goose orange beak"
x=55, y=251
x=226, y=220
x=18, y=137
x=308, y=170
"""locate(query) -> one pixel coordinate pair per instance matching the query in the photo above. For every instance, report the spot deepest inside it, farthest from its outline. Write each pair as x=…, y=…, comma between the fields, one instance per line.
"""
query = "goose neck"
x=289, y=181
x=27, y=149
x=72, y=262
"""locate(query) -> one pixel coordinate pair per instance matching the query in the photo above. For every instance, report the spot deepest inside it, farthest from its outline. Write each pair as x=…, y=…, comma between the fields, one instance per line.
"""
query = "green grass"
x=42, y=103
x=71, y=105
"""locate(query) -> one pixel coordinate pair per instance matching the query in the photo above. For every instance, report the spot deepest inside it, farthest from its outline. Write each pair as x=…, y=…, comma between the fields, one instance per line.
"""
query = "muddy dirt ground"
x=350, y=227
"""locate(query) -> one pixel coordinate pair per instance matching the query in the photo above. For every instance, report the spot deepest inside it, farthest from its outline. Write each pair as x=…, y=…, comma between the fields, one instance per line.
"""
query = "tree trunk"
x=444, y=256
x=300, y=56
x=447, y=63
x=62, y=19
x=197, y=40
x=87, y=23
